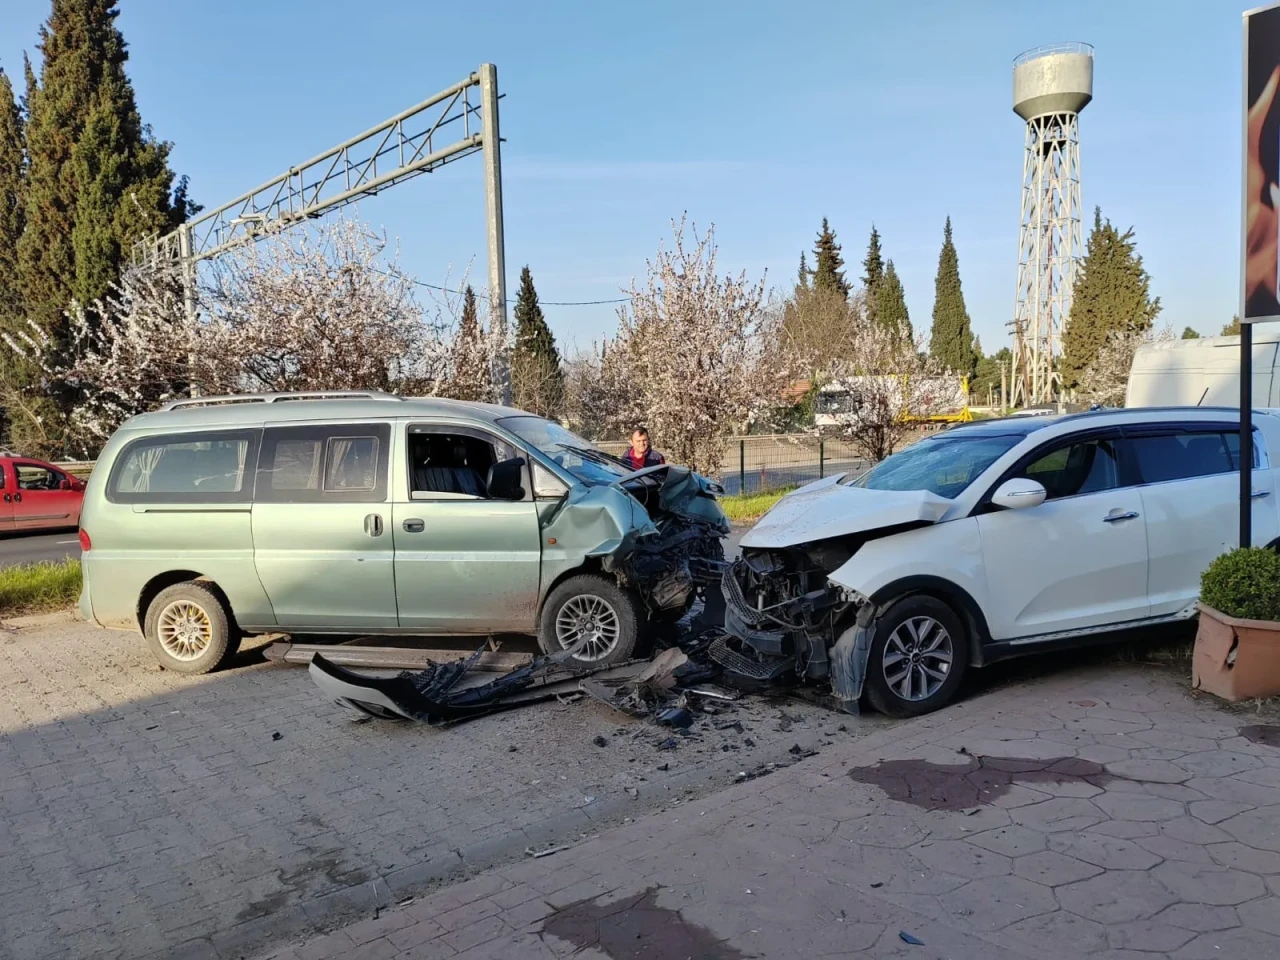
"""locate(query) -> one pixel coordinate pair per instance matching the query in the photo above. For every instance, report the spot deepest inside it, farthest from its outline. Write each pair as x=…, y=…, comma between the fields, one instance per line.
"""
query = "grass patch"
x=745, y=507
x=39, y=587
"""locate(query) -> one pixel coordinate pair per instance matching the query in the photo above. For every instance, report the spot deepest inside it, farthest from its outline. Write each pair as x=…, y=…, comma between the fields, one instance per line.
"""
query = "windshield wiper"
x=596, y=456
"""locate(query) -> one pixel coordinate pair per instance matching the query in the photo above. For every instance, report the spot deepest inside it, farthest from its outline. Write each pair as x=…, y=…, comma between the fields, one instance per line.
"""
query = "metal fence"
x=762, y=463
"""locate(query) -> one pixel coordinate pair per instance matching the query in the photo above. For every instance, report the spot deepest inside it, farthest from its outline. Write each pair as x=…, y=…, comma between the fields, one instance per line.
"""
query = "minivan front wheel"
x=188, y=629
x=919, y=652
x=592, y=616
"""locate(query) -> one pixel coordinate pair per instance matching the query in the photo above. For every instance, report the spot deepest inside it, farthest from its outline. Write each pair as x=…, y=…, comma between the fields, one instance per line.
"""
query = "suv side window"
x=1076, y=468
x=186, y=468
x=1185, y=454
x=331, y=463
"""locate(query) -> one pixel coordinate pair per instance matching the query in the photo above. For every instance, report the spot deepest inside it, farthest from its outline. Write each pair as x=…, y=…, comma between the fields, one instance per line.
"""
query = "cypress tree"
x=11, y=199
x=872, y=272
x=97, y=179
x=802, y=277
x=951, y=339
x=1112, y=293
x=828, y=271
x=537, y=377
x=891, y=302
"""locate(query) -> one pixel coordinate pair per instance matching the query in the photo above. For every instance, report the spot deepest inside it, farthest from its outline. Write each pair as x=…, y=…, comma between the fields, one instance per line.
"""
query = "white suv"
x=991, y=540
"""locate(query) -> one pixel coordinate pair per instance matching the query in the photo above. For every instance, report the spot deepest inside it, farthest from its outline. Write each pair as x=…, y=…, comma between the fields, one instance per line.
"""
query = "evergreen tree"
x=872, y=272
x=1112, y=293
x=891, y=302
x=951, y=339
x=537, y=378
x=97, y=179
x=802, y=278
x=471, y=375
x=1189, y=334
x=1232, y=329
x=828, y=271
x=11, y=199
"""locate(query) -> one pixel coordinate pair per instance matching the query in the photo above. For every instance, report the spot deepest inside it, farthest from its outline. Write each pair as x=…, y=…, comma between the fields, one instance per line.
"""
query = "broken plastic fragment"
x=910, y=938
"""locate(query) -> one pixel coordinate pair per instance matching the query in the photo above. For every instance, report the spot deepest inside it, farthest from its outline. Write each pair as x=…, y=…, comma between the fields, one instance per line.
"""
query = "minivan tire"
x=598, y=604
x=907, y=634
x=190, y=617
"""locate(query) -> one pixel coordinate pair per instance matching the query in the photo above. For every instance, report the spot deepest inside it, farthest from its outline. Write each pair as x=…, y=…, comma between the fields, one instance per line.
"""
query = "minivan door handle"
x=414, y=526
x=1259, y=494
x=373, y=525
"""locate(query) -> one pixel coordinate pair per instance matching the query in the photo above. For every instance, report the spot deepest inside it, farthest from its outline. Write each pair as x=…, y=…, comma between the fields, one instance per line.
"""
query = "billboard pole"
x=1246, y=434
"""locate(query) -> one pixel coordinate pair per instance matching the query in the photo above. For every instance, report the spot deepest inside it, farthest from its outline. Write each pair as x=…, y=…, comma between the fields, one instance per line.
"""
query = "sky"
x=756, y=118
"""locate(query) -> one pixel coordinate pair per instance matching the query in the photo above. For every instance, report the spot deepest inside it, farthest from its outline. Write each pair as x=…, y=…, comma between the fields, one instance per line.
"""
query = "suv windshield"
x=944, y=465
x=567, y=449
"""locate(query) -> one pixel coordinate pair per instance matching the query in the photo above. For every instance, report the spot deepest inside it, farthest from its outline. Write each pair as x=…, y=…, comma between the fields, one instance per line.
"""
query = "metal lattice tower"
x=1051, y=85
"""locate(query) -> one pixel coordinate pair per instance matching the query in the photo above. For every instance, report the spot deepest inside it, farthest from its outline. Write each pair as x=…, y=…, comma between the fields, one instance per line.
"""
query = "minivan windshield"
x=567, y=449
x=945, y=464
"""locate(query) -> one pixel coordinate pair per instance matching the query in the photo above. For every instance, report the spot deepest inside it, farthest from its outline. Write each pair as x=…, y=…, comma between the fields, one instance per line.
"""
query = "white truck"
x=1204, y=372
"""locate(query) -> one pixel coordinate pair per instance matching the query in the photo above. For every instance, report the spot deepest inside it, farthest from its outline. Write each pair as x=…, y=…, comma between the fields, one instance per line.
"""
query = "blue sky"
x=761, y=118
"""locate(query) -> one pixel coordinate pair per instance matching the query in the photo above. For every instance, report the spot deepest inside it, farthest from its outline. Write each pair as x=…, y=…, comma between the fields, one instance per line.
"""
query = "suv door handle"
x=373, y=525
x=414, y=526
x=1113, y=517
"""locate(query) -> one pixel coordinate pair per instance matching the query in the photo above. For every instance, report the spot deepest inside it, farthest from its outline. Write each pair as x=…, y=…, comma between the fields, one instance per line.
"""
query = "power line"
x=545, y=303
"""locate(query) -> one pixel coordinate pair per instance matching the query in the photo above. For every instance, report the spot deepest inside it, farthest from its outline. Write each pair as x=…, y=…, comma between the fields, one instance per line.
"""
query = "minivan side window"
x=1186, y=454
x=452, y=462
x=186, y=468
x=333, y=463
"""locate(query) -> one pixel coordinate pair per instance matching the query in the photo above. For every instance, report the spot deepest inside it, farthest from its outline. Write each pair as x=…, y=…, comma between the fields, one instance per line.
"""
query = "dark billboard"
x=1261, y=293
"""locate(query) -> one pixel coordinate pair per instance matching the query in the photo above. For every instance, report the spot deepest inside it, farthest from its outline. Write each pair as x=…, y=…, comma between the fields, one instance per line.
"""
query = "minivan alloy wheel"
x=588, y=625
x=917, y=658
x=184, y=630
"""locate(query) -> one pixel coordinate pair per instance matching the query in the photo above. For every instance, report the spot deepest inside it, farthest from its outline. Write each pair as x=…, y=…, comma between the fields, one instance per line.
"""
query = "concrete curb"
x=68, y=615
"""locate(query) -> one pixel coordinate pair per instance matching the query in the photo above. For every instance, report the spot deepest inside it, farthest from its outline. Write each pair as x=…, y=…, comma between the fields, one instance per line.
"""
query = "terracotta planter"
x=1236, y=659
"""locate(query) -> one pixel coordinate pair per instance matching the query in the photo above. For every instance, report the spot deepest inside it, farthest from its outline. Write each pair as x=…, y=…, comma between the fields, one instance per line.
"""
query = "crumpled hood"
x=826, y=509
x=685, y=493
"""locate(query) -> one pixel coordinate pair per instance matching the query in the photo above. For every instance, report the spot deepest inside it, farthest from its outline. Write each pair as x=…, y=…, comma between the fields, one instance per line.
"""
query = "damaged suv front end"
x=787, y=605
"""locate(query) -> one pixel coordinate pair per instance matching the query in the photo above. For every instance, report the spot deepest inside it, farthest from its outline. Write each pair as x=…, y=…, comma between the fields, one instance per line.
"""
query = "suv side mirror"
x=504, y=479
x=1019, y=493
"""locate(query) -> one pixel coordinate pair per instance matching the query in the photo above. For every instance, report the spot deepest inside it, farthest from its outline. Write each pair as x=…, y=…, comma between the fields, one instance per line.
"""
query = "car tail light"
x=85, y=543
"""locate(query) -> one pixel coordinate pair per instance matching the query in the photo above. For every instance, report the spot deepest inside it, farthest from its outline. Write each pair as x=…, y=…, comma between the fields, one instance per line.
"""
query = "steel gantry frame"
x=1050, y=244
x=453, y=124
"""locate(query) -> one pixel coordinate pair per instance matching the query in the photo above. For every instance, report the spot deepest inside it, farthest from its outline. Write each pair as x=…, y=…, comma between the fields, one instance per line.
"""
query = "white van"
x=1204, y=372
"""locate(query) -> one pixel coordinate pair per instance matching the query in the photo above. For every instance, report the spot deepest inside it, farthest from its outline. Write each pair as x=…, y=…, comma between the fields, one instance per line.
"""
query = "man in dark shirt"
x=641, y=454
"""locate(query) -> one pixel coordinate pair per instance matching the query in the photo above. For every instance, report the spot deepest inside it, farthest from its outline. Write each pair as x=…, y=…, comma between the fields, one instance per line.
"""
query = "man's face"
x=639, y=443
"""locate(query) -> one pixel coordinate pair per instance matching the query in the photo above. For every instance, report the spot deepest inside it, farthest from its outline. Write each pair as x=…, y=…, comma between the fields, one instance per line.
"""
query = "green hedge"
x=1244, y=584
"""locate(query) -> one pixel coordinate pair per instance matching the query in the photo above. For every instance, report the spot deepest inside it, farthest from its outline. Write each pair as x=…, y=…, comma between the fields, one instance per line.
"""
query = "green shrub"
x=1244, y=584
x=39, y=587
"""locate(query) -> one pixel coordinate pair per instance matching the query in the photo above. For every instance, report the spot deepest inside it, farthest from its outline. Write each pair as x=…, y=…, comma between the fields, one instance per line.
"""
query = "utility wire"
x=545, y=303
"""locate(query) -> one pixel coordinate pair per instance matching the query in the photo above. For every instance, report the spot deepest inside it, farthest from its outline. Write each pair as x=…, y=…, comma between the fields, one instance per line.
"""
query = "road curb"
x=68, y=615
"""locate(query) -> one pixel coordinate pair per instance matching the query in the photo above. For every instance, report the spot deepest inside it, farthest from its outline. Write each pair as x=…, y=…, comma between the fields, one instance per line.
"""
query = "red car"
x=35, y=495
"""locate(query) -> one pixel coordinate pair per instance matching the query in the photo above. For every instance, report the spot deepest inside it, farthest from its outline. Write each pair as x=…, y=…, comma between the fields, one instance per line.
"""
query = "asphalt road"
x=18, y=548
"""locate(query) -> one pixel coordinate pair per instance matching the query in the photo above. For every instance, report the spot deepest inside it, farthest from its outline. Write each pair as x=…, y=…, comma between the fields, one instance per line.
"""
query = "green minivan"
x=366, y=513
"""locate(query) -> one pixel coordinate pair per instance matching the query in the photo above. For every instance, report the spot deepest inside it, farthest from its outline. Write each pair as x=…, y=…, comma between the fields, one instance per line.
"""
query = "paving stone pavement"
x=1101, y=813
x=140, y=809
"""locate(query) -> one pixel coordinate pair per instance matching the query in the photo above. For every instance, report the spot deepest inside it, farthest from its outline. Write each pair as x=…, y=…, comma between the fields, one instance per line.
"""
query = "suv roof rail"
x=279, y=398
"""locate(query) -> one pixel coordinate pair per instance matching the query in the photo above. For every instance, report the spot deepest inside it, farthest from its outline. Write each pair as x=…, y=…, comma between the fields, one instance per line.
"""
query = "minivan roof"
x=302, y=409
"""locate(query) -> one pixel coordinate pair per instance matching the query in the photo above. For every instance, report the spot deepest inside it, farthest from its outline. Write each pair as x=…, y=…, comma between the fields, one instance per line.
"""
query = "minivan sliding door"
x=322, y=543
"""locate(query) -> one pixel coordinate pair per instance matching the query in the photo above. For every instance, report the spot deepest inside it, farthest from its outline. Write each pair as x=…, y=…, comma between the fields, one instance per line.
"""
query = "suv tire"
x=919, y=652
x=189, y=630
x=596, y=612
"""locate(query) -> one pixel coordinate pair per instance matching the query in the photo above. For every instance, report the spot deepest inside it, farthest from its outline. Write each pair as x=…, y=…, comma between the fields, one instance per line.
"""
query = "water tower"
x=1051, y=85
